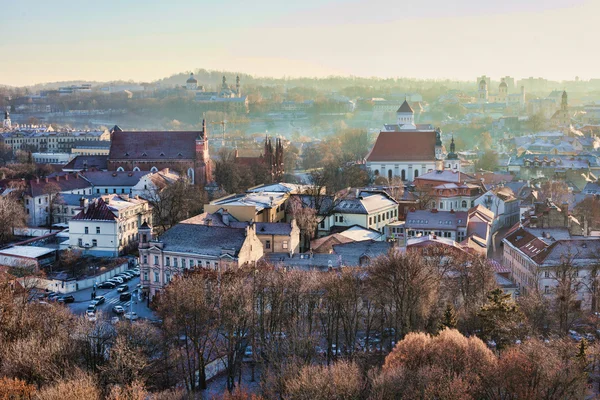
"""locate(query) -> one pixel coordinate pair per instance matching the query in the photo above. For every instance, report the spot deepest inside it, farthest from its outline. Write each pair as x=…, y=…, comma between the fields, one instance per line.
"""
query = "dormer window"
x=126, y=154
x=162, y=154
x=179, y=155
x=144, y=154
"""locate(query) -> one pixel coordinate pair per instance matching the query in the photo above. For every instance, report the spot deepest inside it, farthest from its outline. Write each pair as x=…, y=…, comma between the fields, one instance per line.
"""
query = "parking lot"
x=136, y=304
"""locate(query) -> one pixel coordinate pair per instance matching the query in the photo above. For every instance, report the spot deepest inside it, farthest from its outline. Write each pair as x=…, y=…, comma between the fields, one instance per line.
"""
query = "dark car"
x=66, y=299
x=122, y=288
x=107, y=285
x=125, y=296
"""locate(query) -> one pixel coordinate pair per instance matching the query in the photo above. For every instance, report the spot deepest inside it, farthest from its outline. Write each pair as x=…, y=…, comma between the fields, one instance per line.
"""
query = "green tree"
x=488, y=161
x=449, y=320
x=500, y=318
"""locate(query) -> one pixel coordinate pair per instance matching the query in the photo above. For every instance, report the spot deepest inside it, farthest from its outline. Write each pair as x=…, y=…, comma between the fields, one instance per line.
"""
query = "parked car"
x=66, y=299
x=107, y=285
x=125, y=296
x=132, y=316
x=53, y=297
x=124, y=276
x=122, y=288
x=114, y=320
x=118, y=310
x=116, y=279
x=135, y=272
x=91, y=316
x=91, y=308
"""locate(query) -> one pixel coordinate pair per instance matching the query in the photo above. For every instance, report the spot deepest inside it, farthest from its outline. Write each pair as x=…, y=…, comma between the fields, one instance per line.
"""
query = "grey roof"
x=114, y=178
x=592, y=188
x=352, y=252
x=303, y=261
x=72, y=199
x=203, y=239
x=583, y=252
x=273, y=228
x=81, y=163
x=405, y=108
x=427, y=219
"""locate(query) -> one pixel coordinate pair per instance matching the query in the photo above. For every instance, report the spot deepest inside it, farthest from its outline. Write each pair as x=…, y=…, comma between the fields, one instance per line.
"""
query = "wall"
x=72, y=286
x=107, y=240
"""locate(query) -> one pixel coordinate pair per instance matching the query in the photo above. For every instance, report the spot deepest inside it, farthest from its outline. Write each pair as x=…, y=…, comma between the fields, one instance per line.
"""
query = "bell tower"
x=6, y=124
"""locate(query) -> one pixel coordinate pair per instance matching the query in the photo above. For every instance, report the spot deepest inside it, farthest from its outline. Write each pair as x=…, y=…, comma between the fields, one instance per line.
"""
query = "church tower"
x=483, y=92
x=237, y=86
x=191, y=83
x=406, y=116
x=452, y=161
x=202, y=173
x=6, y=124
x=503, y=91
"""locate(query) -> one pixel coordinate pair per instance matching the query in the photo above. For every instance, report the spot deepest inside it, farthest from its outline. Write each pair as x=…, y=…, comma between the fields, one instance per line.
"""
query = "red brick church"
x=271, y=158
x=182, y=151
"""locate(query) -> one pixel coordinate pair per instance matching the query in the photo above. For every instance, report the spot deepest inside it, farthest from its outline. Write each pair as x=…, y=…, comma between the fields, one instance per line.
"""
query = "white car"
x=132, y=316
x=91, y=316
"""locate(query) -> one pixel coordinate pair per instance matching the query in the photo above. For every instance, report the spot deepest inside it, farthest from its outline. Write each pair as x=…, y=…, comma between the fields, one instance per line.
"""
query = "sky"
x=145, y=40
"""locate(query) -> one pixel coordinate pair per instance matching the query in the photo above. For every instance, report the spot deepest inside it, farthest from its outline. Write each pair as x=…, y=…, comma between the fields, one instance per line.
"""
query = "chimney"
x=84, y=203
x=57, y=178
x=225, y=217
x=166, y=170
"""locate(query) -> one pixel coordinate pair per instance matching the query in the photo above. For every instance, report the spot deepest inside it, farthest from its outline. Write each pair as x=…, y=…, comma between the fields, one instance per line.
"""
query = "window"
x=168, y=261
x=546, y=274
x=155, y=260
x=175, y=262
x=97, y=230
x=86, y=230
x=341, y=218
x=145, y=276
x=216, y=265
x=183, y=263
x=464, y=204
x=105, y=191
x=97, y=191
x=145, y=259
x=94, y=242
x=268, y=244
x=546, y=289
x=370, y=220
x=285, y=244
x=322, y=224
x=80, y=242
x=156, y=279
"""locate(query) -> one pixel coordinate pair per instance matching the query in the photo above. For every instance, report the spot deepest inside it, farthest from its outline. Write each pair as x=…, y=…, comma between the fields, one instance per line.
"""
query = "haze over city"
x=318, y=199
x=430, y=39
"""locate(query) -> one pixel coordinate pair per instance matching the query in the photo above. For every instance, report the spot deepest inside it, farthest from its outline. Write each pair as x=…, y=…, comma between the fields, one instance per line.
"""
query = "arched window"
x=441, y=205
x=190, y=174
x=390, y=174
x=403, y=175
x=153, y=169
x=464, y=204
x=136, y=169
x=376, y=172
x=416, y=173
x=120, y=169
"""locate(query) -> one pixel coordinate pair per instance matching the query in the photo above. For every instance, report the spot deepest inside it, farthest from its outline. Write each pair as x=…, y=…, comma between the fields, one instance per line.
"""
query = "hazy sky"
x=143, y=40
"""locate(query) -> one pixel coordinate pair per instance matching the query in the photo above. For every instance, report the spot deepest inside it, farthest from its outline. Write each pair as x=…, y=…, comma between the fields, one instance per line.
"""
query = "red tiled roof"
x=153, y=145
x=97, y=211
x=403, y=146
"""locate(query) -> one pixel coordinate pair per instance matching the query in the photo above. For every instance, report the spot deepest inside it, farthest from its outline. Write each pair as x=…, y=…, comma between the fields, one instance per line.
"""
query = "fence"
x=60, y=286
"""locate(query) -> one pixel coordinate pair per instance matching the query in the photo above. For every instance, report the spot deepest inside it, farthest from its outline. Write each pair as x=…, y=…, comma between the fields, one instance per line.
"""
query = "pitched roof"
x=114, y=178
x=64, y=183
x=405, y=108
x=96, y=211
x=203, y=239
x=274, y=228
x=80, y=163
x=403, y=146
x=153, y=145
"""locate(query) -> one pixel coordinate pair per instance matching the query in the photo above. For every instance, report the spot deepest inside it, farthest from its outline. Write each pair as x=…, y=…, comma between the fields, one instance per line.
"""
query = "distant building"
x=406, y=151
x=185, y=151
x=271, y=159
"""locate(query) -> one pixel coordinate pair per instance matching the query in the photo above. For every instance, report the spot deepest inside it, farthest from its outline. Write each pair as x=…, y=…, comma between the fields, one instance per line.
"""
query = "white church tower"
x=406, y=117
x=191, y=83
x=6, y=124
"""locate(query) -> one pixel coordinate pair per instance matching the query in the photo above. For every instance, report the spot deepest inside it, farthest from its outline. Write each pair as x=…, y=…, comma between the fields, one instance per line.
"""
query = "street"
x=83, y=298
